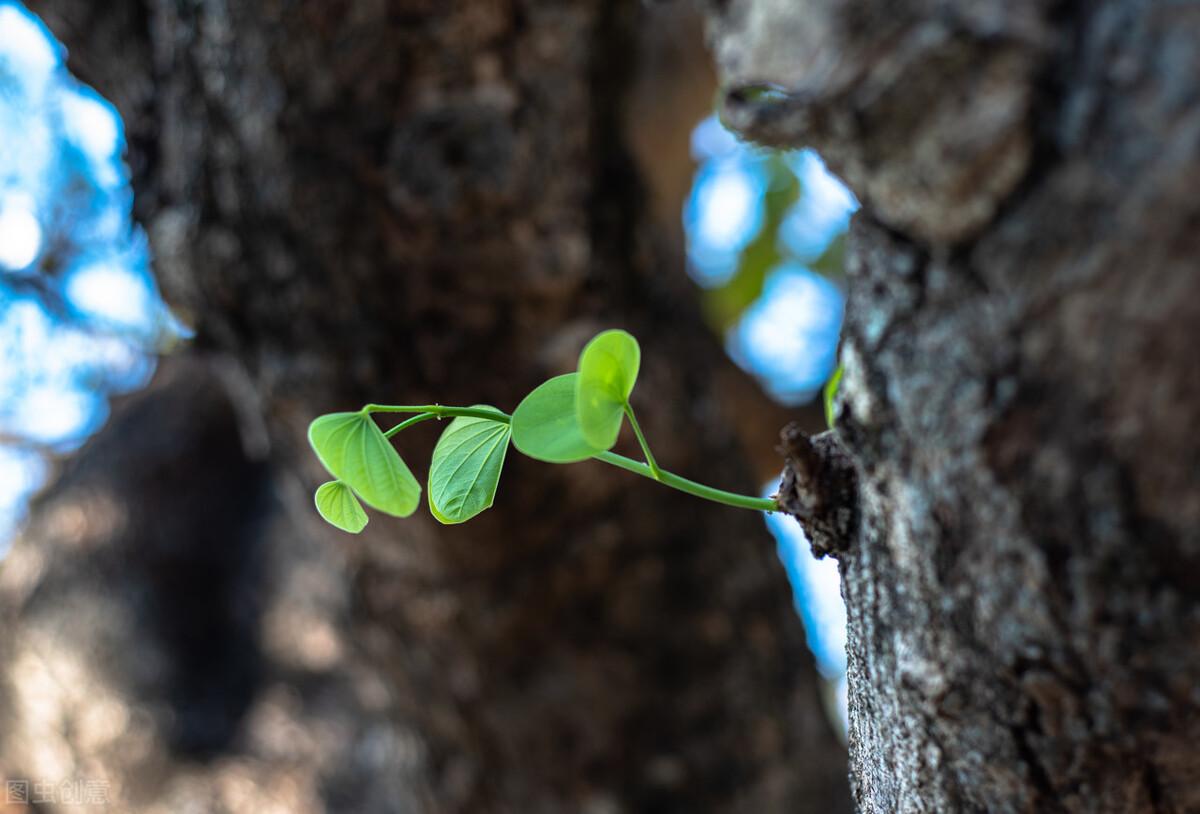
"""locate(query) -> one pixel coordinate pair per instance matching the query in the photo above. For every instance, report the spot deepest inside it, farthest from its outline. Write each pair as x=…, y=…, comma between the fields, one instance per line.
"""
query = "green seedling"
x=570, y=418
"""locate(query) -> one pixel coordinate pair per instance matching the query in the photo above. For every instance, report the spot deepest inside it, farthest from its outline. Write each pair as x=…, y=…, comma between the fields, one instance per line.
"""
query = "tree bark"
x=418, y=202
x=1020, y=547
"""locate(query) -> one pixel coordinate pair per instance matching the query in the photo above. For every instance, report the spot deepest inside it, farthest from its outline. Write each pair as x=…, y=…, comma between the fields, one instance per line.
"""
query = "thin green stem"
x=427, y=411
x=404, y=425
x=437, y=411
x=637, y=430
x=760, y=504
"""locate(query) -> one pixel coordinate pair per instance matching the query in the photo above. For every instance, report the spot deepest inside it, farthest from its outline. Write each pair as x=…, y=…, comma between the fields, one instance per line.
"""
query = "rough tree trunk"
x=1021, y=560
x=415, y=202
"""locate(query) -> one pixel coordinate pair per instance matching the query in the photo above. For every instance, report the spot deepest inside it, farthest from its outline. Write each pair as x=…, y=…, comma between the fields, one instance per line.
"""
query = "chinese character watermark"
x=17, y=791
x=75, y=792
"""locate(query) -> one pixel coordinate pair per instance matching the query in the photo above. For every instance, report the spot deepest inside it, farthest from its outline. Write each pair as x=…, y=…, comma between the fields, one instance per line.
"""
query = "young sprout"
x=570, y=418
x=829, y=394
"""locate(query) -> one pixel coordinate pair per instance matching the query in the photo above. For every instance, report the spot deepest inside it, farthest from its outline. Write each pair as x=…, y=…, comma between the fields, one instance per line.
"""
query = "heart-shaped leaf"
x=338, y=505
x=466, y=467
x=355, y=451
x=545, y=426
x=608, y=369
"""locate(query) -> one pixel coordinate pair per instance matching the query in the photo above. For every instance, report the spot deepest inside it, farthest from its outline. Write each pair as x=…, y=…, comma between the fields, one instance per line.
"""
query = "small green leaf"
x=466, y=467
x=545, y=427
x=356, y=452
x=830, y=392
x=338, y=505
x=608, y=369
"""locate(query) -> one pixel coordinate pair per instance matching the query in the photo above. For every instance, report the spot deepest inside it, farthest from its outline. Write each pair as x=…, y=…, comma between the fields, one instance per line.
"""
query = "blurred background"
x=181, y=635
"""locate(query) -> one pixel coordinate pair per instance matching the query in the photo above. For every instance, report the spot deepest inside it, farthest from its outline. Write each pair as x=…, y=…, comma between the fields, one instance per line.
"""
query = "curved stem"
x=760, y=504
x=427, y=411
x=404, y=425
x=637, y=430
x=438, y=411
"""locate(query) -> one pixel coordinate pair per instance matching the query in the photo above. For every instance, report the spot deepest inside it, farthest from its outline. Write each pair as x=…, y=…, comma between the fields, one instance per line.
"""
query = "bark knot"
x=819, y=489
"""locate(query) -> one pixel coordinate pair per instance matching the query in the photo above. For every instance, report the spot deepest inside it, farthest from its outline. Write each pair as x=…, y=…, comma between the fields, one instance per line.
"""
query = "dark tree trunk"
x=416, y=202
x=1021, y=560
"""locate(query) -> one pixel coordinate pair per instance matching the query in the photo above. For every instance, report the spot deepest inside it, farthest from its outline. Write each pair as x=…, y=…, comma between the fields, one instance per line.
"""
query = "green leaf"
x=441, y=518
x=545, y=427
x=355, y=451
x=608, y=369
x=466, y=467
x=338, y=505
x=830, y=391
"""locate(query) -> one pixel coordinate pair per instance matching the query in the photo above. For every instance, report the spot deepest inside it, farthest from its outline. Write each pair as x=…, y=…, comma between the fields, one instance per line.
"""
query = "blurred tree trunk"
x=1021, y=548
x=416, y=202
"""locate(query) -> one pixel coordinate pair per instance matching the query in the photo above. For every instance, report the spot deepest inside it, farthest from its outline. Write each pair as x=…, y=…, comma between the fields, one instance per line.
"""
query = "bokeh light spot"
x=80, y=315
x=111, y=293
x=20, y=232
x=788, y=338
